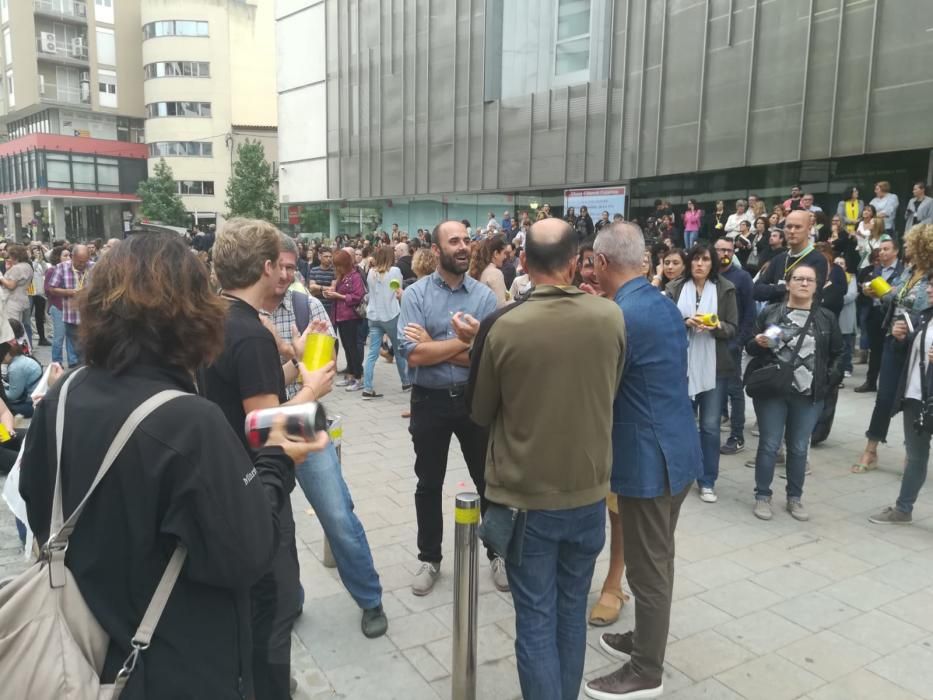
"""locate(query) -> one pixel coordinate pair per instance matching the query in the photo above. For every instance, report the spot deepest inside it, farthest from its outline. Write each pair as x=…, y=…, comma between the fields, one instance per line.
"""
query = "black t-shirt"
x=248, y=366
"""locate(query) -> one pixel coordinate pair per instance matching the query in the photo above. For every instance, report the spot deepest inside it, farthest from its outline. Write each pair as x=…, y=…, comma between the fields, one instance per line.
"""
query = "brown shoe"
x=623, y=684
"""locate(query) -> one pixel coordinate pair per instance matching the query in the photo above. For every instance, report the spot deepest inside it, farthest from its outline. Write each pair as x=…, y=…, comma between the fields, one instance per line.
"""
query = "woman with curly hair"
x=486, y=267
x=908, y=296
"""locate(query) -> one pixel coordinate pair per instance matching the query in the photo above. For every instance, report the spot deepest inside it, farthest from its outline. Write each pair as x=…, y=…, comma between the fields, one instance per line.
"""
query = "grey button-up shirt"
x=918, y=212
x=431, y=304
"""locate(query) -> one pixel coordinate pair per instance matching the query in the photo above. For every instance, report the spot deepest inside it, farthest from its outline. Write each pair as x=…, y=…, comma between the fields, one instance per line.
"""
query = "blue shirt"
x=431, y=304
x=655, y=443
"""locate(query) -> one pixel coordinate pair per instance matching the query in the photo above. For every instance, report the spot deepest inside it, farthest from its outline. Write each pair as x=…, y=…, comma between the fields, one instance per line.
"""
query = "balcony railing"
x=68, y=9
x=50, y=46
x=63, y=93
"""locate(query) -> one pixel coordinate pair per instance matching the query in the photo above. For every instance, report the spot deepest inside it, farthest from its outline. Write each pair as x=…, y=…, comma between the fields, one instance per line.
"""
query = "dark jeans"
x=648, y=526
x=792, y=418
x=435, y=417
x=876, y=345
x=892, y=362
x=862, y=311
x=549, y=590
x=709, y=404
x=849, y=340
x=276, y=604
x=348, y=331
x=38, y=303
x=735, y=392
x=918, y=454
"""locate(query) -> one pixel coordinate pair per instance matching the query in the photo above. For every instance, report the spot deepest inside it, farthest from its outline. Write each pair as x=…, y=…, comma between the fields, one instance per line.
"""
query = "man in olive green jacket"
x=544, y=375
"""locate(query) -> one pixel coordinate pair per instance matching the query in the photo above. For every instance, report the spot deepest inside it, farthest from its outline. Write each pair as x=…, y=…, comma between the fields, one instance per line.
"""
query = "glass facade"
x=178, y=109
x=39, y=169
x=177, y=69
x=174, y=27
x=183, y=149
x=191, y=187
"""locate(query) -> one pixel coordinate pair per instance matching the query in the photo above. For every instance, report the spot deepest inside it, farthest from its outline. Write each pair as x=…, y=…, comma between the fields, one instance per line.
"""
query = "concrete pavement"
x=833, y=609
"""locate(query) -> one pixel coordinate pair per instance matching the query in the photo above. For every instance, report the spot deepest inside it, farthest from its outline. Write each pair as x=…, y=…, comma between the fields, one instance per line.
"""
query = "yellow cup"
x=319, y=350
x=879, y=286
x=4, y=433
x=709, y=320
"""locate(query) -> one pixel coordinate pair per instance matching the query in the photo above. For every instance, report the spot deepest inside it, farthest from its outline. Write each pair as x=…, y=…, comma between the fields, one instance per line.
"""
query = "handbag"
x=775, y=378
x=51, y=645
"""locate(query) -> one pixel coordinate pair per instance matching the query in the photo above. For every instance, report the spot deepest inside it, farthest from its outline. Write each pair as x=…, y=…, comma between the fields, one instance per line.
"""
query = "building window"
x=103, y=11
x=5, y=10
x=106, y=47
x=183, y=149
x=107, y=88
x=572, y=55
x=7, y=46
x=174, y=27
x=108, y=174
x=131, y=130
x=189, y=187
x=178, y=109
x=177, y=69
x=11, y=97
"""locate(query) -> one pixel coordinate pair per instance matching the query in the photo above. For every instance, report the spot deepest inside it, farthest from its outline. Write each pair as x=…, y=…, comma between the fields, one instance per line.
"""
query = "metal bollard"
x=335, y=428
x=466, y=590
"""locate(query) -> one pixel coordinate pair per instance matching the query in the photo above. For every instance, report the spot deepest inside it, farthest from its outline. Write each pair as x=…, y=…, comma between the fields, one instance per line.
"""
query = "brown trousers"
x=648, y=526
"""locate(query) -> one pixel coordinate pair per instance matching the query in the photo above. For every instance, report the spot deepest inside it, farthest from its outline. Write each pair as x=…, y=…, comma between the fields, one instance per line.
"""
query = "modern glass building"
x=407, y=111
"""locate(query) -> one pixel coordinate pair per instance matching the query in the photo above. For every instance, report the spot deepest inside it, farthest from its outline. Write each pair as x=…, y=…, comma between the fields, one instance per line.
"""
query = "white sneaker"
x=499, y=578
x=354, y=386
x=707, y=495
x=423, y=581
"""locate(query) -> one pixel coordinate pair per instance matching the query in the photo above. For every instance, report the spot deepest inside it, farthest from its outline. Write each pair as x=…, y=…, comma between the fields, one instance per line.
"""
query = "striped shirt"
x=284, y=319
x=66, y=277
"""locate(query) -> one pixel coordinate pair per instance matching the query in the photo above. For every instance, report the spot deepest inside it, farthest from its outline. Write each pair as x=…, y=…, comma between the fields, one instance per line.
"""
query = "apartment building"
x=72, y=111
x=94, y=92
x=209, y=84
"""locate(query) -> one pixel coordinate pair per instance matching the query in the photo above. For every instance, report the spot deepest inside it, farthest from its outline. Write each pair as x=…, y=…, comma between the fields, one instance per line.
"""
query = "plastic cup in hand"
x=395, y=285
x=709, y=320
x=773, y=334
x=319, y=350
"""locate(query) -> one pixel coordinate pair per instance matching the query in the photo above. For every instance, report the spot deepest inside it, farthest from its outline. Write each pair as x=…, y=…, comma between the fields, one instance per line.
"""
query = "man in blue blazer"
x=656, y=456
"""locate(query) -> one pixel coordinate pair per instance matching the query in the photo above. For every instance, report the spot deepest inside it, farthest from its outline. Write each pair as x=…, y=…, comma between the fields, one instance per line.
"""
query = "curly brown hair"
x=149, y=301
x=918, y=247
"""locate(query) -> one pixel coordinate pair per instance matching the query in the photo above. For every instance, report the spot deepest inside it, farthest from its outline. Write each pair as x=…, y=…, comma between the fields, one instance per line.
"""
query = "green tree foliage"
x=251, y=189
x=160, y=200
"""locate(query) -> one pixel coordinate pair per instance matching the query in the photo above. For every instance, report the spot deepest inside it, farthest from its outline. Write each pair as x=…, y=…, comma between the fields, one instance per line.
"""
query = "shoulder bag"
x=776, y=377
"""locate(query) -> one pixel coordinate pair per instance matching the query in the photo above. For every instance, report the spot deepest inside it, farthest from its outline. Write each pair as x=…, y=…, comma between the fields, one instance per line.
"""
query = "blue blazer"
x=655, y=443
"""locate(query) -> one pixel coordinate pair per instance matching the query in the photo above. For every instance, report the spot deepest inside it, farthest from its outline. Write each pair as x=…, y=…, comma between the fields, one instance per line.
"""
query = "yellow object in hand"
x=710, y=320
x=319, y=350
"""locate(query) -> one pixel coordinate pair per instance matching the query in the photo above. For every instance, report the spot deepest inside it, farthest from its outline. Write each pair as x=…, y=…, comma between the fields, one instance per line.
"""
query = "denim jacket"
x=655, y=444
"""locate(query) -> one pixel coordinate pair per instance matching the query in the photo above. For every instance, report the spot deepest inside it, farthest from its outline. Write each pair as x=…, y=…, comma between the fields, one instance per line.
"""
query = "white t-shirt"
x=915, y=378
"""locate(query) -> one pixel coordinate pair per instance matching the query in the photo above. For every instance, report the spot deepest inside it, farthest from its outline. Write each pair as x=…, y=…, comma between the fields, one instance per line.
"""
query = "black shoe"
x=375, y=623
x=733, y=446
x=618, y=646
x=371, y=395
x=406, y=387
x=865, y=388
x=44, y=343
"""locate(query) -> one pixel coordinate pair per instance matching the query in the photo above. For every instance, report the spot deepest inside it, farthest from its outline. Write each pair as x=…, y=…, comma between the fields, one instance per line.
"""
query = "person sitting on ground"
x=23, y=372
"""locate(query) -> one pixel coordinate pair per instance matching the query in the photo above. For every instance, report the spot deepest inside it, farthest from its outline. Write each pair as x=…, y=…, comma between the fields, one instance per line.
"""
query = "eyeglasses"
x=803, y=280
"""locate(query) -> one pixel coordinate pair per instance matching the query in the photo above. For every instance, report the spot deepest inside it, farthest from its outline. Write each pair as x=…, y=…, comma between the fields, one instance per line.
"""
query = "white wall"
x=301, y=75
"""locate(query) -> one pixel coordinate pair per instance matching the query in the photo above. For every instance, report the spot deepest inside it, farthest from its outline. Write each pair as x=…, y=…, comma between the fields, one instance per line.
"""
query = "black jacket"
x=767, y=287
x=902, y=350
x=827, y=371
x=183, y=476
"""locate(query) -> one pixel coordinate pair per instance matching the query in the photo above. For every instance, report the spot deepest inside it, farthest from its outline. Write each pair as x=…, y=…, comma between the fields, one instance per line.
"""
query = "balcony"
x=64, y=94
x=72, y=52
x=69, y=10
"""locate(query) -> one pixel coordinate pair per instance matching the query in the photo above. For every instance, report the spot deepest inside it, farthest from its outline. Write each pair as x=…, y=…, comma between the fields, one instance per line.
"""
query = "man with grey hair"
x=649, y=414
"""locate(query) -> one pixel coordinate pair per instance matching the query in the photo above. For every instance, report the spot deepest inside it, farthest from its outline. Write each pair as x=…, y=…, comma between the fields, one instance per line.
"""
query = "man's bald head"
x=551, y=244
x=79, y=257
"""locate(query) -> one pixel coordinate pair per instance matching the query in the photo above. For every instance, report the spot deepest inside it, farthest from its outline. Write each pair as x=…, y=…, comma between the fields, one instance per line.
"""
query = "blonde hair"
x=242, y=248
x=424, y=262
x=918, y=247
x=884, y=186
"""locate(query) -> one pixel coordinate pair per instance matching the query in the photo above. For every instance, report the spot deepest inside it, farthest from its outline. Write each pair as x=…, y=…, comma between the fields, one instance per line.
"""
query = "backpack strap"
x=301, y=310
x=61, y=531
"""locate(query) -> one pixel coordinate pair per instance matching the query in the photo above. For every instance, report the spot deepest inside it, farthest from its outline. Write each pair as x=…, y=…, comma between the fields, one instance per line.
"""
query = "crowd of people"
x=680, y=320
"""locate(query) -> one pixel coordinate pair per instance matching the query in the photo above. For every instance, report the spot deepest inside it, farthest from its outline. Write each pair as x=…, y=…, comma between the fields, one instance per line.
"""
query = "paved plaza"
x=832, y=609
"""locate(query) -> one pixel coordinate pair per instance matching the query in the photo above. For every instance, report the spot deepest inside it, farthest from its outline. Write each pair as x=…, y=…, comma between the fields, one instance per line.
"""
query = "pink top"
x=692, y=220
x=352, y=286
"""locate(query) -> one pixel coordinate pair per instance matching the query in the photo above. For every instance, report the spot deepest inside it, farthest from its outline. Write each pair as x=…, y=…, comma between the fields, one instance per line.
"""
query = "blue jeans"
x=376, y=330
x=918, y=454
x=23, y=406
x=792, y=418
x=322, y=482
x=62, y=338
x=736, y=393
x=690, y=238
x=549, y=590
x=710, y=405
x=849, y=343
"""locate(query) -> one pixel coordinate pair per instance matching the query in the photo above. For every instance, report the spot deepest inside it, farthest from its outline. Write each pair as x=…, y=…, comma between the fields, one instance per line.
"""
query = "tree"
x=160, y=200
x=251, y=188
